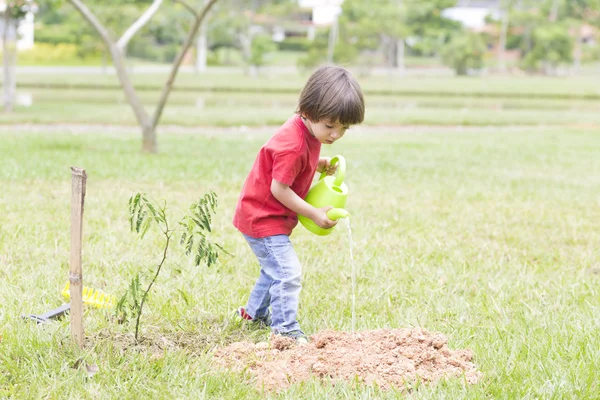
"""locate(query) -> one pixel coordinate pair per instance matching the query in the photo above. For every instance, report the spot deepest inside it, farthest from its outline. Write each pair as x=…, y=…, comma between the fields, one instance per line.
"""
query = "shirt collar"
x=298, y=121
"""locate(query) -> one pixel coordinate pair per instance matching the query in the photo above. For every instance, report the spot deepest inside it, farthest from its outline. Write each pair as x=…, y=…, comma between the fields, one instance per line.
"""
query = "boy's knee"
x=293, y=281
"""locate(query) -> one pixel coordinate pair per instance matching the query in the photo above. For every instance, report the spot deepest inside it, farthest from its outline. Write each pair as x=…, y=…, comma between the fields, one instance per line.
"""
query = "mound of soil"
x=384, y=357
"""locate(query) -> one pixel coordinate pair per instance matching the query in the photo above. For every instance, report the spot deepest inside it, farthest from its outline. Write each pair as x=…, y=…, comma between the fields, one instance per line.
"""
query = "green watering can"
x=328, y=191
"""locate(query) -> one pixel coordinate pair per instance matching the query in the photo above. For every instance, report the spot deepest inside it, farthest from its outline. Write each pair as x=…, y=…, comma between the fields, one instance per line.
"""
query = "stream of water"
x=353, y=274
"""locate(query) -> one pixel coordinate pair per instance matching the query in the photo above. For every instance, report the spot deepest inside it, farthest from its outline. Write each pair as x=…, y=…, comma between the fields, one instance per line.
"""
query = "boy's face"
x=326, y=131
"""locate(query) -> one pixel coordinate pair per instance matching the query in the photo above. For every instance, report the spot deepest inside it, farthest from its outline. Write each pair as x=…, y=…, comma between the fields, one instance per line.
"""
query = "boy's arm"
x=291, y=200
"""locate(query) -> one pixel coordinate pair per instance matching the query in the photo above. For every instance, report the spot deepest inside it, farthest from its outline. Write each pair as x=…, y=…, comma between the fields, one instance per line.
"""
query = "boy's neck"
x=307, y=124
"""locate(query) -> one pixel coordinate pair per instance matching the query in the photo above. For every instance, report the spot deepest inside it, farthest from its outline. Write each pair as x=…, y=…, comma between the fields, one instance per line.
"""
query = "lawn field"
x=230, y=100
x=234, y=81
x=489, y=236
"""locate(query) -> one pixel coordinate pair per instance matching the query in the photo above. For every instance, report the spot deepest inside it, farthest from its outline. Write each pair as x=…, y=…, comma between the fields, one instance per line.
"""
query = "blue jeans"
x=278, y=284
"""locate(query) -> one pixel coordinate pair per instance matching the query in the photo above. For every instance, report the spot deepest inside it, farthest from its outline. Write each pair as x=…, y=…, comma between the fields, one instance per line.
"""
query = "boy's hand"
x=325, y=165
x=322, y=220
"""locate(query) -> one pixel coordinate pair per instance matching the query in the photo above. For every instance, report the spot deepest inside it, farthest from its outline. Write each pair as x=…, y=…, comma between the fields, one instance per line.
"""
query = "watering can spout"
x=337, y=213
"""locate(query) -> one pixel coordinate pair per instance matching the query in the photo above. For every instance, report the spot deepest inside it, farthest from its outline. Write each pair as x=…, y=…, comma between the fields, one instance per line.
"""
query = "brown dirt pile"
x=384, y=357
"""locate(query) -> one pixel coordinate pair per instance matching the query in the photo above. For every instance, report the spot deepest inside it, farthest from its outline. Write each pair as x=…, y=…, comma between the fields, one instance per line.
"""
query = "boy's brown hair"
x=332, y=93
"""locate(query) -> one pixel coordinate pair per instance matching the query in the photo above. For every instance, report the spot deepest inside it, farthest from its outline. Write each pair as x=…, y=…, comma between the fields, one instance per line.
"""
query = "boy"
x=274, y=191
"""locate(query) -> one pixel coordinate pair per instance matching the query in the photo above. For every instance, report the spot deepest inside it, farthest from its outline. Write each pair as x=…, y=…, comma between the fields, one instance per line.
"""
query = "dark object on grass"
x=52, y=314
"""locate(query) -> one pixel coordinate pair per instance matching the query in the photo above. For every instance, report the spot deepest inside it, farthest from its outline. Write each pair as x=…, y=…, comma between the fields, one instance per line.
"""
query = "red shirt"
x=290, y=157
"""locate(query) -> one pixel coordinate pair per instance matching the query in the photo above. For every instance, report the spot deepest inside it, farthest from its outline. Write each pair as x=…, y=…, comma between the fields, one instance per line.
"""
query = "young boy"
x=274, y=191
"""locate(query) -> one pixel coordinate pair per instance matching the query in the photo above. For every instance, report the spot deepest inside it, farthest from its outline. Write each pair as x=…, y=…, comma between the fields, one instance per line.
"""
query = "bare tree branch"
x=91, y=18
x=137, y=25
x=140, y=112
x=177, y=63
x=147, y=123
x=187, y=6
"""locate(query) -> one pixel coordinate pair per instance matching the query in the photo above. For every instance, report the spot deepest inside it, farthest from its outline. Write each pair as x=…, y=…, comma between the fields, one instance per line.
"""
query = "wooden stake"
x=78, y=181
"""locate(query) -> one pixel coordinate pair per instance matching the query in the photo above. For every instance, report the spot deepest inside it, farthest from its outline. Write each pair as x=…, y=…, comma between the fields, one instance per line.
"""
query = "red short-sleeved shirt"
x=291, y=157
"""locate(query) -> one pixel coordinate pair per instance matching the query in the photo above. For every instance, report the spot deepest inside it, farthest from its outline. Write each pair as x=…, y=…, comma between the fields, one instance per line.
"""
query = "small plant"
x=194, y=228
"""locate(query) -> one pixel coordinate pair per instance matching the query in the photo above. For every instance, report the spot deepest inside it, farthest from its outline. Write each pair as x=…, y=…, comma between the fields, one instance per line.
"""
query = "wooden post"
x=78, y=180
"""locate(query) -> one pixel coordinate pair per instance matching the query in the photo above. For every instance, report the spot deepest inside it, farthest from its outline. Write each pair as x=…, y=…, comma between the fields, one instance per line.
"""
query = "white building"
x=324, y=12
x=472, y=13
x=24, y=32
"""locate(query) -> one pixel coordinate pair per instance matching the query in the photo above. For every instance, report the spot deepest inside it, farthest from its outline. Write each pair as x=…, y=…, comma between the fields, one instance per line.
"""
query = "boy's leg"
x=284, y=268
x=260, y=298
x=258, y=302
x=281, y=272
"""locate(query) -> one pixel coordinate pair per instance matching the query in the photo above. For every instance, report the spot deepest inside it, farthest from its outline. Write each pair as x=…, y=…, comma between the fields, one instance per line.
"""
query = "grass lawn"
x=232, y=99
x=235, y=80
x=234, y=109
x=488, y=237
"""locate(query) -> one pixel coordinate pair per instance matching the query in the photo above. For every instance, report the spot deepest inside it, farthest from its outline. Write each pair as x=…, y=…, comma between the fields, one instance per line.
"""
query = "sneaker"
x=241, y=312
x=265, y=320
x=297, y=335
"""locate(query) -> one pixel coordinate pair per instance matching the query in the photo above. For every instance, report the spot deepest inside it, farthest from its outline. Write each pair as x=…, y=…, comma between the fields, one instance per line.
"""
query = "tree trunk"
x=577, y=54
x=502, y=42
x=149, y=136
x=201, y=50
x=246, y=47
x=149, y=144
x=147, y=124
x=553, y=11
x=390, y=50
x=9, y=60
x=333, y=36
x=400, y=55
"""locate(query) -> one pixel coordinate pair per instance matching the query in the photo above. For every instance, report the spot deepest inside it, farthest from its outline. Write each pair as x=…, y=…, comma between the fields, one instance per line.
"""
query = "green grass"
x=485, y=236
x=191, y=116
x=234, y=80
x=231, y=99
x=235, y=109
x=284, y=100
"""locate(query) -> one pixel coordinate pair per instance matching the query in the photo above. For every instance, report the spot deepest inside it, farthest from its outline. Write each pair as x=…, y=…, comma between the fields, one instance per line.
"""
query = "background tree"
x=464, y=52
x=547, y=32
x=148, y=124
x=378, y=25
x=246, y=26
x=579, y=13
x=156, y=41
x=14, y=13
x=551, y=46
x=430, y=28
x=506, y=6
x=382, y=27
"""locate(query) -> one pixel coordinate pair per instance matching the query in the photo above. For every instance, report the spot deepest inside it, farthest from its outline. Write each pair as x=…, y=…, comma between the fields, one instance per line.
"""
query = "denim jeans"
x=278, y=284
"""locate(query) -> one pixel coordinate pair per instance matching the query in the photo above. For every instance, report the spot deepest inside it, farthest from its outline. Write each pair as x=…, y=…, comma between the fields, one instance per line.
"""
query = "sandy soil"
x=383, y=357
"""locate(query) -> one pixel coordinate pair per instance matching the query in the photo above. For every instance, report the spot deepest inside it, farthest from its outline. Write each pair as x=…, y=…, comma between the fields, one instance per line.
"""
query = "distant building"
x=473, y=13
x=324, y=12
x=24, y=32
x=311, y=14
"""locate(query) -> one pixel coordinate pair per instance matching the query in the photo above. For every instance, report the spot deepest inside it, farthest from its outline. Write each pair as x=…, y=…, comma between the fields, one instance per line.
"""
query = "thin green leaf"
x=138, y=223
x=189, y=245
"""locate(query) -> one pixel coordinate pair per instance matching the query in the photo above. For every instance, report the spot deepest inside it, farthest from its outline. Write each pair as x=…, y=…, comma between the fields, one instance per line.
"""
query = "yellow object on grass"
x=92, y=297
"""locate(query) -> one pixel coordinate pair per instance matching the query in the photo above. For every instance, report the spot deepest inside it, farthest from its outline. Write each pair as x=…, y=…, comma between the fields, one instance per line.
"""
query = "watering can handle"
x=341, y=171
